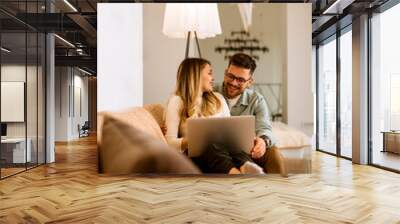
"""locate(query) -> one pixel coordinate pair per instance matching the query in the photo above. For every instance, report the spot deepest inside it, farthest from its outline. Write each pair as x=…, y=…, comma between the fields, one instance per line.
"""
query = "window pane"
x=327, y=97
x=386, y=88
x=346, y=94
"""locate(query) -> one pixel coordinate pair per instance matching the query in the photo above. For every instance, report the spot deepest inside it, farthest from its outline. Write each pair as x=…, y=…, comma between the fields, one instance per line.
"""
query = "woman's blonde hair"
x=188, y=89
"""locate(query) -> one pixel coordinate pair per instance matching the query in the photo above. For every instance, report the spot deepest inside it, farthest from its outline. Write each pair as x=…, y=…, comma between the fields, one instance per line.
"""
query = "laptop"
x=237, y=131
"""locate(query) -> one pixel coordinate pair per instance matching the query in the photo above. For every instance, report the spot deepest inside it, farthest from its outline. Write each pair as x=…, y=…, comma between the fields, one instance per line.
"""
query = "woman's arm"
x=172, y=121
x=224, y=105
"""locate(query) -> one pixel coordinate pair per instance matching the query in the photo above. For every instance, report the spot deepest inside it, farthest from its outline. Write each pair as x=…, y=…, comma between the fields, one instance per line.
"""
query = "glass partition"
x=22, y=63
x=31, y=100
x=14, y=153
x=41, y=91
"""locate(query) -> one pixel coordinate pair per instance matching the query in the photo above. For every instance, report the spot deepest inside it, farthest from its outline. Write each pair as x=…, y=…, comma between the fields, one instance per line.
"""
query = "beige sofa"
x=148, y=119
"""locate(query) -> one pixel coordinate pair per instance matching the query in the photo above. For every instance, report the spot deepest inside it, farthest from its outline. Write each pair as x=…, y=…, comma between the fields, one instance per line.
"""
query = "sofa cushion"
x=289, y=137
x=137, y=117
x=157, y=111
x=125, y=149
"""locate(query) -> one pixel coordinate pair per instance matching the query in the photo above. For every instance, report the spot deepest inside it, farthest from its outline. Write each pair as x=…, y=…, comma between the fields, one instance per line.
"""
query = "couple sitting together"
x=195, y=97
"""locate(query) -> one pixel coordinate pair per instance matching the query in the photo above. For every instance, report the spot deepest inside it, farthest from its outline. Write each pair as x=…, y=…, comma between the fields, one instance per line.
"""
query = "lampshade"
x=180, y=18
x=246, y=12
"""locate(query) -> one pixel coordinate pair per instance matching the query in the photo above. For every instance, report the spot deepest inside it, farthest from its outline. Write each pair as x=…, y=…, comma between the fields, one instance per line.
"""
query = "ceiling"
x=329, y=16
x=76, y=22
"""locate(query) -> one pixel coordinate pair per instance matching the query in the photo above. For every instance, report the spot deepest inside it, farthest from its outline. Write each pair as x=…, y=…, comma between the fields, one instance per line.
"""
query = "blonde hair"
x=188, y=89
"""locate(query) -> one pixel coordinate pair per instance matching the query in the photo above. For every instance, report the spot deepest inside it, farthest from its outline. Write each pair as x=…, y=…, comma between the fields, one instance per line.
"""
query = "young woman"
x=194, y=97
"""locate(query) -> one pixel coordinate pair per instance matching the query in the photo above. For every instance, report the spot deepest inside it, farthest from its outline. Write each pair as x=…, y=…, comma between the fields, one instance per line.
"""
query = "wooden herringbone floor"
x=70, y=191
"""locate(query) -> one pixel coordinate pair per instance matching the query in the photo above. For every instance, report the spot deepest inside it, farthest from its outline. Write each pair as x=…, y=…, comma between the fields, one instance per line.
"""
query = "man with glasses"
x=245, y=101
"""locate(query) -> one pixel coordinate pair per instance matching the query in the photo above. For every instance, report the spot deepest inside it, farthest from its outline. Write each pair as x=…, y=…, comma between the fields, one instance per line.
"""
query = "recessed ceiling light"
x=65, y=41
x=5, y=50
x=338, y=6
x=84, y=71
x=70, y=5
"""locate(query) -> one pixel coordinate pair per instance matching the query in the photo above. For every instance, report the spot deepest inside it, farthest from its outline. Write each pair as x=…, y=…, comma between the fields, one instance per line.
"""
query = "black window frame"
x=333, y=37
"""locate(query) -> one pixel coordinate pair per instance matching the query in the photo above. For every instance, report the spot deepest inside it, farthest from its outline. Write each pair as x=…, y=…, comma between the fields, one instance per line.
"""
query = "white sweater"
x=176, y=129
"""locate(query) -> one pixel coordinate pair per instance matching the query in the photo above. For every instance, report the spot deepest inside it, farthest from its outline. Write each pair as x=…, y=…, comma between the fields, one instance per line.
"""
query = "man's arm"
x=263, y=123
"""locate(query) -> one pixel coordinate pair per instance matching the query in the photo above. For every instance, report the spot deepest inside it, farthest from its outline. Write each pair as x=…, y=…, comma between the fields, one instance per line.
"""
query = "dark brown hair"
x=244, y=61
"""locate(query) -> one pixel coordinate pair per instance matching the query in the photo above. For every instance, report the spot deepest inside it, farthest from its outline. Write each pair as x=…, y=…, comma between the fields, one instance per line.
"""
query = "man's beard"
x=236, y=90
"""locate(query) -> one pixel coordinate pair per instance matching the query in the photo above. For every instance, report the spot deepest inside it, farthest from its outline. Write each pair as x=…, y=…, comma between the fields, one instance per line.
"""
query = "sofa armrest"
x=275, y=162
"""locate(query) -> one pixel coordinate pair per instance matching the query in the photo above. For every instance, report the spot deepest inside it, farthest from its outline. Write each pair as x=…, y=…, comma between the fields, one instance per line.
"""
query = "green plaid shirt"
x=253, y=103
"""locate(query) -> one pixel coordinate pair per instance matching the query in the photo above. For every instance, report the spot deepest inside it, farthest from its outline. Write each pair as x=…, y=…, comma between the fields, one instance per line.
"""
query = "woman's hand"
x=164, y=129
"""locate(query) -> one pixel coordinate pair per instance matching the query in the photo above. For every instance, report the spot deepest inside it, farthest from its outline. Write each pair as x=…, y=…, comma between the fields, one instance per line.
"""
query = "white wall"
x=268, y=27
x=298, y=76
x=81, y=103
x=82, y=82
x=119, y=55
x=71, y=94
x=62, y=81
x=161, y=56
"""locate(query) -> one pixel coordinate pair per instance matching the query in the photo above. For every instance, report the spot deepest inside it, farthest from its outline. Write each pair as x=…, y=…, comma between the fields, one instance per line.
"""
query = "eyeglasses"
x=239, y=80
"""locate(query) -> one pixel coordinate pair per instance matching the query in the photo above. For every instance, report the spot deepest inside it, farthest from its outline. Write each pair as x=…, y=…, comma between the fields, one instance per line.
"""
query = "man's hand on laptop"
x=258, y=149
